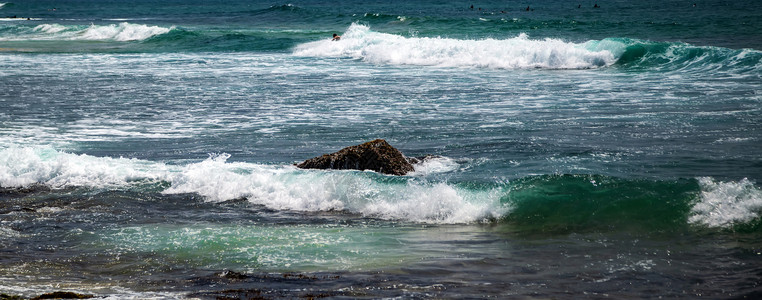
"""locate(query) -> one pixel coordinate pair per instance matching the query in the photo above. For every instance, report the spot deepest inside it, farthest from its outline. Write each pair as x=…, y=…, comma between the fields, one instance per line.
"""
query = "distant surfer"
x=596, y=6
x=336, y=37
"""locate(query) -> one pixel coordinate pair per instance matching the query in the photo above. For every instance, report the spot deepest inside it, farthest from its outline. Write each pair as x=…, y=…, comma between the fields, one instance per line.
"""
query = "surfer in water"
x=336, y=37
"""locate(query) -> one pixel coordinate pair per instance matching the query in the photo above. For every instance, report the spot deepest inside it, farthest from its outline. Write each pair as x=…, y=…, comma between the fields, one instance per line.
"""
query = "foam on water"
x=25, y=166
x=416, y=198
x=723, y=204
x=520, y=52
x=50, y=28
x=121, y=32
x=102, y=290
x=277, y=187
x=366, y=193
x=432, y=165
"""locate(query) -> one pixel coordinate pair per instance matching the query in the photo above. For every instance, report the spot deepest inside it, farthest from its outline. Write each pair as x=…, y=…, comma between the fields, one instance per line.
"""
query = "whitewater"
x=718, y=204
x=360, y=43
x=148, y=149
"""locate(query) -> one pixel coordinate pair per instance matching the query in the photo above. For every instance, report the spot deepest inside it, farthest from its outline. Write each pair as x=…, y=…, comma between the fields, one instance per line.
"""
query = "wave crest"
x=725, y=204
x=122, y=32
x=544, y=203
x=365, y=193
x=360, y=42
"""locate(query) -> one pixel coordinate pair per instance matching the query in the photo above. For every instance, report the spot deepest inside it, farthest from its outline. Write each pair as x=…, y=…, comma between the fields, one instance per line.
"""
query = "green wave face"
x=640, y=54
x=571, y=203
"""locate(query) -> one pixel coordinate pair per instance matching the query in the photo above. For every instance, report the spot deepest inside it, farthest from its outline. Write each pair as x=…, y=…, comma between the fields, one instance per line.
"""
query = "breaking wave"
x=122, y=32
x=520, y=52
x=544, y=203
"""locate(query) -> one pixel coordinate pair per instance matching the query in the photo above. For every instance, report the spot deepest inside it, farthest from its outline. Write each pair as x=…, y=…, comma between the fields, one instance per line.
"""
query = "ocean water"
x=147, y=149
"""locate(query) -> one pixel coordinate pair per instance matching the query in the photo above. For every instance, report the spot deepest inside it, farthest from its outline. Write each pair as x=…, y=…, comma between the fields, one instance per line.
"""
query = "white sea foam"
x=733, y=140
x=723, y=204
x=24, y=166
x=520, y=52
x=433, y=165
x=412, y=198
x=19, y=19
x=121, y=32
x=6, y=232
x=277, y=187
x=50, y=28
x=292, y=189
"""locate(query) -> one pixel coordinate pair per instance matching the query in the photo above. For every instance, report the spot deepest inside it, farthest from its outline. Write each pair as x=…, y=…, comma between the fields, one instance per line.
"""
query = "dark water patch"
x=269, y=285
x=53, y=295
x=23, y=190
x=63, y=295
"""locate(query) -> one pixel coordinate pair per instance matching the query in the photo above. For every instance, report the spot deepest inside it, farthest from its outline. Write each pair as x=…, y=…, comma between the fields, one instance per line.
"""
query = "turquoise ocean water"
x=147, y=149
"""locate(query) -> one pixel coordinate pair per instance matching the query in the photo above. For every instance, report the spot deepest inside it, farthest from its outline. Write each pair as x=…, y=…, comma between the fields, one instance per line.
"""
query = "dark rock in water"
x=63, y=295
x=375, y=155
x=22, y=191
x=227, y=274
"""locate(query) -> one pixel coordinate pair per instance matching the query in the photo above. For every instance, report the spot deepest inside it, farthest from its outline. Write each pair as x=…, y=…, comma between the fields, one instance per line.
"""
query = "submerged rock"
x=63, y=295
x=375, y=155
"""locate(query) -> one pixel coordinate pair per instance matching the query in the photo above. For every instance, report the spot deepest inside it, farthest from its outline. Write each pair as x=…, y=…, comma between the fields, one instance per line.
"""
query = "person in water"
x=336, y=37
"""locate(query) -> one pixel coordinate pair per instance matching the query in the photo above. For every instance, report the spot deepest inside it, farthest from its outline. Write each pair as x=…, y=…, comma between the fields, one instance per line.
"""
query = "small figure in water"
x=336, y=37
x=596, y=6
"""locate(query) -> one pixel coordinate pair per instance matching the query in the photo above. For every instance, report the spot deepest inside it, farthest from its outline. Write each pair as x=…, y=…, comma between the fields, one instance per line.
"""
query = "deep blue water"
x=147, y=149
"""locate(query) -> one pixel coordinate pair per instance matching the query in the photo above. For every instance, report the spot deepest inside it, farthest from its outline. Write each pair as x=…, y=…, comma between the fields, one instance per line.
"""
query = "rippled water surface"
x=147, y=149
